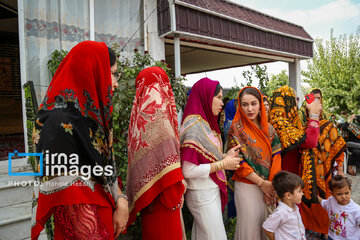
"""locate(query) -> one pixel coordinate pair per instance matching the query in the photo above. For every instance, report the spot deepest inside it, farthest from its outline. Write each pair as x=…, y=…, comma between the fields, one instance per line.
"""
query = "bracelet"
x=123, y=195
x=314, y=116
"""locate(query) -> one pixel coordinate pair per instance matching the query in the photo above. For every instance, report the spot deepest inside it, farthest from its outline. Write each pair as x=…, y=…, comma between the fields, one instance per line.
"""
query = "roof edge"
x=179, y=2
x=271, y=51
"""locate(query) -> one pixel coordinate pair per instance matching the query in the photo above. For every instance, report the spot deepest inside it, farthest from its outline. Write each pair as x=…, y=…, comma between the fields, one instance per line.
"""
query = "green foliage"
x=276, y=81
x=335, y=69
x=55, y=59
x=260, y=73
x=234, y=91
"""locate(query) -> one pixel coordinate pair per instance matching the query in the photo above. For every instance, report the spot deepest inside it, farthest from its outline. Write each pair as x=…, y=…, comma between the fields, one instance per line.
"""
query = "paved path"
x=355, y=195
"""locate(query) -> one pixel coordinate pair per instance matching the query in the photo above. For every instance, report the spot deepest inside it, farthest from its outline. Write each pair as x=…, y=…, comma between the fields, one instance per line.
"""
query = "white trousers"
x=250, y=212
x=205, y=206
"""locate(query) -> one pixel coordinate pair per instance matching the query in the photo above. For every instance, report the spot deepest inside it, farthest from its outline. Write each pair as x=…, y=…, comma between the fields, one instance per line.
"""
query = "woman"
x=285, y=119
x=230, y=110
x=260, y=153
x=266, y=104
x=317, y=170
x=203, y=162
x=75, y=119
x=154, y=180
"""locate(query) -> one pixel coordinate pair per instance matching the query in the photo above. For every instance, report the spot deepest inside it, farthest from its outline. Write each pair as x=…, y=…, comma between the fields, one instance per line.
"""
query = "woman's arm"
x=121, y=214
x=312, y=134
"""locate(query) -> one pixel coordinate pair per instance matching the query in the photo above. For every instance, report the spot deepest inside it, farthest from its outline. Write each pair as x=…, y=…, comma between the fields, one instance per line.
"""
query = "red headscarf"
x=75, y=117
x=153, y=144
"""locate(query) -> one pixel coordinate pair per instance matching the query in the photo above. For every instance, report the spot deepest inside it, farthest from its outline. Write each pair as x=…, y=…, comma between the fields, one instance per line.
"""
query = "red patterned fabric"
x=82, y=222
x=153, y=144
x=79, y=202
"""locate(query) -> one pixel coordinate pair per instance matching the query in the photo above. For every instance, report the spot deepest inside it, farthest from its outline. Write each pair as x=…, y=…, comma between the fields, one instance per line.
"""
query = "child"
x=344, y=214
x=285, y=223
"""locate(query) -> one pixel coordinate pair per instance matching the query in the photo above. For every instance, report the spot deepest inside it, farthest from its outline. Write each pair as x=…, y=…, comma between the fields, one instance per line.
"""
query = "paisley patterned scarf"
x=258, y=145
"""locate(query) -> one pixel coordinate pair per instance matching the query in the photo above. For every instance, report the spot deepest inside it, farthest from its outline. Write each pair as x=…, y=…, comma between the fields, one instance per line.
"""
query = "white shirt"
x=344, y=219
x=285, y=223
x=197, y=176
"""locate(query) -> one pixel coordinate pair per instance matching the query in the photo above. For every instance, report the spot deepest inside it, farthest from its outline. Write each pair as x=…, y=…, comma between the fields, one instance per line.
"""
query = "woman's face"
x=250, y=106
x=217, y=104
x=114, y=78
x=267, y=106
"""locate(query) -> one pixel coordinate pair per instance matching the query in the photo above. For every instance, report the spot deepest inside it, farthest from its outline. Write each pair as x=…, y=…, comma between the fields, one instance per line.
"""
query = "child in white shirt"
x=285, y=223
x=344, y=214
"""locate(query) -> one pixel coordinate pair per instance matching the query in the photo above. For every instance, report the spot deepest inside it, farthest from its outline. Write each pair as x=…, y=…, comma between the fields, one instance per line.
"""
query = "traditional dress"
x=201, y=145
x=261, y=153
x=284, y=117
x=75, y=118
x=154, y=179
x=317, y=170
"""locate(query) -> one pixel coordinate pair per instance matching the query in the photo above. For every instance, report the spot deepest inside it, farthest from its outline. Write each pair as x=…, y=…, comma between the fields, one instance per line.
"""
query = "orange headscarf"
x=258, y=145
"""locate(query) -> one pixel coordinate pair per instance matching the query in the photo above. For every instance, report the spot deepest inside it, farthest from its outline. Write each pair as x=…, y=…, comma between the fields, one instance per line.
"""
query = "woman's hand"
x=231, y=162
x=121, y=216
x=269, y=200
x=268, y=189
x=315, y=107
x=233, y=152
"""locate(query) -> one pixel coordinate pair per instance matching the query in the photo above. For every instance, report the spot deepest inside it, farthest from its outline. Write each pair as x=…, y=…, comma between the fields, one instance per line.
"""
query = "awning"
x=218, y=34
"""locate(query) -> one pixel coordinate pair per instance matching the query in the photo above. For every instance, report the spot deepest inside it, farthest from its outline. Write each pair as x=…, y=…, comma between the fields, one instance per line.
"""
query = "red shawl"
x=75, y=117
x=153, y=144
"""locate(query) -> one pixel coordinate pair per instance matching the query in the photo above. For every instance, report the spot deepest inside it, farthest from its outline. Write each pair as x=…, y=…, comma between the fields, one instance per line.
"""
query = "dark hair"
x=339, y=181
x=315, y=91
x=285, y=181
x=265, y=99
x=251, y=91
x=112, y=57
x=217, y=89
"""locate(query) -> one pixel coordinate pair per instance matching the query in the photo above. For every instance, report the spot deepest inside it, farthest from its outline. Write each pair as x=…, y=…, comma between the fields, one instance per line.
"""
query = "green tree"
x=257, y=72
x=335, y=69
x=276, y=81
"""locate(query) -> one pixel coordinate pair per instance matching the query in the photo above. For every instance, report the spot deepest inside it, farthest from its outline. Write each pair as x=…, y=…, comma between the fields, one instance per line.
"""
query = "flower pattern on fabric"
x=67, y=127
x=337, y=223
x=284, y=117
x=317, y=163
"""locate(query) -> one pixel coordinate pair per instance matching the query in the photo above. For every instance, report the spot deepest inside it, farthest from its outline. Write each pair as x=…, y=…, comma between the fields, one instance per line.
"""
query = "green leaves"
x=335, y=69
x=55, y=59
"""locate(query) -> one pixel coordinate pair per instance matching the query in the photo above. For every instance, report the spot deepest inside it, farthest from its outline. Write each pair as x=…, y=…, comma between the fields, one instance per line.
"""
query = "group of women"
x=165, y=164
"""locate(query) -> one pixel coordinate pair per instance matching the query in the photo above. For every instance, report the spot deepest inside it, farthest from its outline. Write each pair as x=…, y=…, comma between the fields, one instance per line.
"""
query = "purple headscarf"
x=200, y=102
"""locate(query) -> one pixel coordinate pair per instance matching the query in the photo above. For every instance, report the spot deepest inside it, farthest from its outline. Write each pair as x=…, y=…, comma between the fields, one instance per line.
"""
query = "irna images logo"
x=12, y=155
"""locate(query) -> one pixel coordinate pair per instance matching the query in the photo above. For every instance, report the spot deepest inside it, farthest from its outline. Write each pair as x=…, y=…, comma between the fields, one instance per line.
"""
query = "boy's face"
x=296, y=196
x=342, y=195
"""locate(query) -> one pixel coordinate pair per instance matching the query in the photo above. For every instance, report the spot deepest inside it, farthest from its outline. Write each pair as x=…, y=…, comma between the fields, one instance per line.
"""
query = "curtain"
x=51, y=25
x=120, y=22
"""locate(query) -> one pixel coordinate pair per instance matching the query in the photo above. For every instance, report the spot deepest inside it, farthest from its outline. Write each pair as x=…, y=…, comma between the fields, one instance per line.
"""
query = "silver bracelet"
x=123, y=195
x=314, y=116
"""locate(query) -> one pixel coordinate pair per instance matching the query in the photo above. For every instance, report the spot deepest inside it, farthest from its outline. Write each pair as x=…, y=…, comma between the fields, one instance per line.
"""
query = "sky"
x=317, y=17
